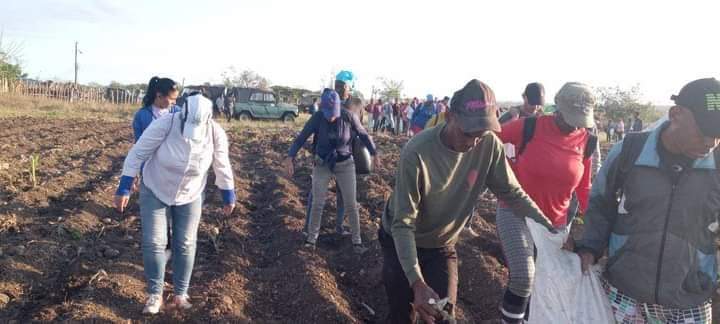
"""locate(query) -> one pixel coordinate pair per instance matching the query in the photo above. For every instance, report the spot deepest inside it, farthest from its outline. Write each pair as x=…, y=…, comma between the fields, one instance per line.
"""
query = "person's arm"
x=137, y=126
x=406, y=207
x=596, y=159
x=145, y=147
x=309, y=128
x=221, y=165
x=502, y=182
x=512, y=132
x=583, y=188
x=363, y=134
x=601, y=211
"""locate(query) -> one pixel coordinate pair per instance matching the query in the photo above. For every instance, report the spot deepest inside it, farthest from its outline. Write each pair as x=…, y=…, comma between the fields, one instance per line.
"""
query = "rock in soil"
x=17, y=250
x=111, y=253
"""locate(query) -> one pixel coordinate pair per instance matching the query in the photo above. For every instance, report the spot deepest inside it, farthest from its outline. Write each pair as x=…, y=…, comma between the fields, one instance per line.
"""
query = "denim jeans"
x=185, y=222
x=340, y=211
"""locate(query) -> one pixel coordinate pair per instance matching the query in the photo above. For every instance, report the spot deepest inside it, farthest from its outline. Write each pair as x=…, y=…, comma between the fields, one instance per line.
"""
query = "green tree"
x=615, y=103
x=391, y=89
x=244, y=79
x=10, y=54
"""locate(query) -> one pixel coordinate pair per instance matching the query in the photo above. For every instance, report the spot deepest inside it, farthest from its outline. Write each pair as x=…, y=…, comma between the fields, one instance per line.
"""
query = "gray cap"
x=576, y=103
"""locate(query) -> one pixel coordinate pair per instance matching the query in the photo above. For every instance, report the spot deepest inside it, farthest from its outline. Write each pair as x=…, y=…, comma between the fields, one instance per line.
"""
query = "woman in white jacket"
x=178, y=150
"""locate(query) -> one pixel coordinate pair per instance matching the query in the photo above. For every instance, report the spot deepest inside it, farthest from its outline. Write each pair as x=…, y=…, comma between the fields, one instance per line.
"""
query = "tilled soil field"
x=67, y=255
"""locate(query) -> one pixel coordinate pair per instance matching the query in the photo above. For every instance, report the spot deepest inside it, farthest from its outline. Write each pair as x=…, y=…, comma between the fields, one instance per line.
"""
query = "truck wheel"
x=288, y=118
x=244, y=116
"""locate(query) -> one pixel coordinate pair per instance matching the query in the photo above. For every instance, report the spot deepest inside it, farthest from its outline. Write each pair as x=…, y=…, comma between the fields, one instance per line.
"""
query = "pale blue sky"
x=434, y=46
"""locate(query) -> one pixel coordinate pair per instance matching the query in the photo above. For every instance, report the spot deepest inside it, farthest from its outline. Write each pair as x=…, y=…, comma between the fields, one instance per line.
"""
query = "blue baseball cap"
x=330, y=104
x=347, y=77
x=430, y=98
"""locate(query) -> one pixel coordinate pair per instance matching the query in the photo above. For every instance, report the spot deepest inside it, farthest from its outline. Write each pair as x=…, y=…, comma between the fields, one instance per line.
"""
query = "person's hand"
x=423, y=293
x=587, y=259
x=538, y=110
x=136, y=185
x=228, y=209
x=289, y=167
x=569, y=244
x=121, y=202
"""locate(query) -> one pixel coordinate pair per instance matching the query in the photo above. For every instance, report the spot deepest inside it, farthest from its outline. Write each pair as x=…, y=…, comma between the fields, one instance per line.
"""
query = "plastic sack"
x=562, y=293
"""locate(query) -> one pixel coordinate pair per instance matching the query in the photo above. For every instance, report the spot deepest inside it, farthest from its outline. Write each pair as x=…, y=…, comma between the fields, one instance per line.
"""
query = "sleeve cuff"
x=414, y=275
x=124, y=186
x=228, y=196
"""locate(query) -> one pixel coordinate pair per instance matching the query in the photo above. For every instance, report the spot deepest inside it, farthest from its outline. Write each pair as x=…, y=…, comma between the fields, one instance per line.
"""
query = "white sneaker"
x=181, y=302
x=153, y=304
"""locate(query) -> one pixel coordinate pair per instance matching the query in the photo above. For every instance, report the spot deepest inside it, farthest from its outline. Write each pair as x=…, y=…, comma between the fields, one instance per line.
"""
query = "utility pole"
x=76, y=64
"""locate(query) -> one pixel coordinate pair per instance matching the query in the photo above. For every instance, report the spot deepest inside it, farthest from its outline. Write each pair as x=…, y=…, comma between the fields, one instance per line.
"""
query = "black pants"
x=439, y=268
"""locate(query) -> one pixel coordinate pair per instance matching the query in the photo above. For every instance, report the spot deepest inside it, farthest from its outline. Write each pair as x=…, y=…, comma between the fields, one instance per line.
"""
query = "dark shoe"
x=359, y=248
x=342, y=231
x=309, y=246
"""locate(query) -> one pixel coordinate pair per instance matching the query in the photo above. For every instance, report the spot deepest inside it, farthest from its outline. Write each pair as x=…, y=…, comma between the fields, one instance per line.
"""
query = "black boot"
x=513, y=308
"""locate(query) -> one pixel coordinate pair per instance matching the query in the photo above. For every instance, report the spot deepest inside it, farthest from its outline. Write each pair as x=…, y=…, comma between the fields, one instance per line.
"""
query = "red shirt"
x=551, y=167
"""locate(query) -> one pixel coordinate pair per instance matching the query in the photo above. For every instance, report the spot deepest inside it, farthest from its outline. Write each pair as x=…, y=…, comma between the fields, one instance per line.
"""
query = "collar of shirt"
x=159, y=112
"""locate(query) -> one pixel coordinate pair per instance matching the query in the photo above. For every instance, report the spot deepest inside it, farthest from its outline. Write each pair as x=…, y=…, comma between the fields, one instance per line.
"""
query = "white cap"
x=199, y=112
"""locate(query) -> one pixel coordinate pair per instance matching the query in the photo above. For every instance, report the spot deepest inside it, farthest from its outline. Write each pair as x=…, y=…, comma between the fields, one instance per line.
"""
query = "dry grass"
x=12, y=105
x=18, y=106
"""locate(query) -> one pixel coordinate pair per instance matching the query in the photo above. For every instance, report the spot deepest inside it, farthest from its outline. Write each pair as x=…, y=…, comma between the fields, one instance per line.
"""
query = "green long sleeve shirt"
x=436, y=188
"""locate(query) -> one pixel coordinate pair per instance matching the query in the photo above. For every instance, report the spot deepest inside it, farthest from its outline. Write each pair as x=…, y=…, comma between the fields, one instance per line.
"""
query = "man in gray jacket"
x=654, y=207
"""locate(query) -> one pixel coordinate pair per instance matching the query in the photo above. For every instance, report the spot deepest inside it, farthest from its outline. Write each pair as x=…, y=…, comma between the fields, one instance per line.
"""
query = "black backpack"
x=360, y=153
x=529, y=125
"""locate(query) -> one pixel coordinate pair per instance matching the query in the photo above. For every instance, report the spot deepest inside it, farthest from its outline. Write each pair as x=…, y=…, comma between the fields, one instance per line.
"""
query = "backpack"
x=361, y=155
x=529, y=125
x=632, y=147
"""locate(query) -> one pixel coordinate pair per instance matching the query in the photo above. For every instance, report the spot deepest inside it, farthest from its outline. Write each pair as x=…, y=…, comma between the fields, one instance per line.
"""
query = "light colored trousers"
x=344, y=173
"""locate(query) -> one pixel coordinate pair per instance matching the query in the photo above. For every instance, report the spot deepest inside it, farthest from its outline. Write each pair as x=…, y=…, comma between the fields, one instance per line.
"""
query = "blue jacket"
x=143, y=118
x=340, y=145
x=660, y=230
x=422, y=115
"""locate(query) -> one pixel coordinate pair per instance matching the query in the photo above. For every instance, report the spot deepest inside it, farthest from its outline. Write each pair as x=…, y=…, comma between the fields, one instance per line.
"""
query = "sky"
x=434, y=47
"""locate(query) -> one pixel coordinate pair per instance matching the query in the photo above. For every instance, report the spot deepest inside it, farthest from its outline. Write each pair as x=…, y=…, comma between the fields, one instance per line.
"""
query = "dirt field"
x=65, y=254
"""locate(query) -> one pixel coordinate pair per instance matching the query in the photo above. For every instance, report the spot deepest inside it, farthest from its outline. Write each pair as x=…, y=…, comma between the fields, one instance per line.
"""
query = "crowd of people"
x=651, y=208
x=616, y=129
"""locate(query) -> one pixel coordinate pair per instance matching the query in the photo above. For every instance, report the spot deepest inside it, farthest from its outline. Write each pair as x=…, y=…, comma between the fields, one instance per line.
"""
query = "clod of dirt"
x=4, y=300
x=17, y=250
x=227, y=301
x=107, y=220
x=110, y=253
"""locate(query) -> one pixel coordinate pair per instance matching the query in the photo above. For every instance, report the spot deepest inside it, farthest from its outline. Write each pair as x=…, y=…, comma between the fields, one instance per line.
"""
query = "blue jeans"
x=340, y=218
x=185, y=222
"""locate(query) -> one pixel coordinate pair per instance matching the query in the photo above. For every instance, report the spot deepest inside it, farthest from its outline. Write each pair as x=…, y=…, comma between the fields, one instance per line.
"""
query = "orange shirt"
x=551, y=167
